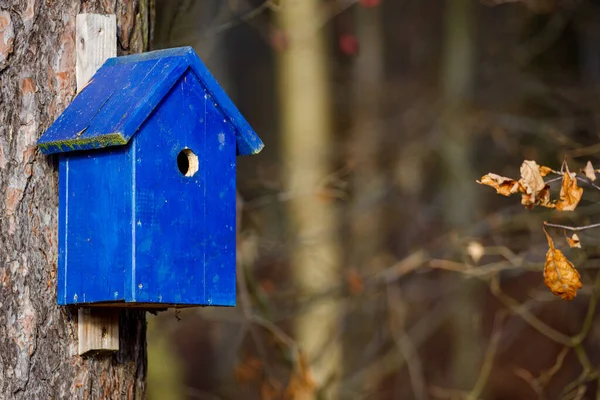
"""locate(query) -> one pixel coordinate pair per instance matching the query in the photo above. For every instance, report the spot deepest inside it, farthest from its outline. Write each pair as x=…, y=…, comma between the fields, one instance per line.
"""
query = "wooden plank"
x=96, y=41
x=98, y=330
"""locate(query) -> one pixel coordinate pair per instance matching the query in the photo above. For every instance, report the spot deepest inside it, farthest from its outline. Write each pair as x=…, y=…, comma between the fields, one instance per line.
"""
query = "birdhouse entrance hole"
x=187, y=162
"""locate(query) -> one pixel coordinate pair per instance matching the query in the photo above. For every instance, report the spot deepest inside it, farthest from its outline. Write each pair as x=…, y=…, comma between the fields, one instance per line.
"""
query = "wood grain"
x=96, y=41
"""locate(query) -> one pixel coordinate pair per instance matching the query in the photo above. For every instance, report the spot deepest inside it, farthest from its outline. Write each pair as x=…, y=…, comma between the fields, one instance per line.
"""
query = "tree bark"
x=38, y=340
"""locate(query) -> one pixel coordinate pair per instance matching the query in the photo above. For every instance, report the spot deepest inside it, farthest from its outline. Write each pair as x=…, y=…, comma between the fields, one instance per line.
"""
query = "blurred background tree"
x=370, y=264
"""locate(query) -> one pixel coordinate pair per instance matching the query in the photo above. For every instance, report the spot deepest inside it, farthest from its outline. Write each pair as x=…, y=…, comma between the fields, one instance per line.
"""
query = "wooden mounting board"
x=96, y=41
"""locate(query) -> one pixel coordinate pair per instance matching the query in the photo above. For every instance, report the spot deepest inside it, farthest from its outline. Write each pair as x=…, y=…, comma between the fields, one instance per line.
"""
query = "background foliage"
x=370, y=263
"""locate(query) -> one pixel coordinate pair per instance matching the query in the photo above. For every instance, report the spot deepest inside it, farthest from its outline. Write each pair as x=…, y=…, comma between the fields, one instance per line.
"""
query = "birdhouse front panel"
x=185, y=184
x=147, y=196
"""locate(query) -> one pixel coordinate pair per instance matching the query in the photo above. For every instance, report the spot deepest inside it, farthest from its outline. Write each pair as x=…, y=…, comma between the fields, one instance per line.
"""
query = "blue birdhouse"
x=147, y=196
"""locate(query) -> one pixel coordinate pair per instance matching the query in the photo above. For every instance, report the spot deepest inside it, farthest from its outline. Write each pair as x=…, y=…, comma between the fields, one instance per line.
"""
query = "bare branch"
x=588, y=181
x=553, y=180
x=572, y=228
x=531, y=319
x=407, y=348
x=488, y=360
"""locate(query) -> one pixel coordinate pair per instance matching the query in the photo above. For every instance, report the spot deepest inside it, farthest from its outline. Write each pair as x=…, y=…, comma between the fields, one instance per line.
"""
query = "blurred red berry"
x=348, y=43
x=370, y=3
x=279, y=40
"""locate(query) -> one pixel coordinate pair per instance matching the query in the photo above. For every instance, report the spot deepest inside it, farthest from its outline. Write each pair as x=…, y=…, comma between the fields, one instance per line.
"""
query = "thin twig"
x=543, y=39
x=579, y=178
x=194, y=393
x=531, y=380
x=488, y=361
x=407, y=348
x=255, y=12
x=588, y=181
x=531, y=319
x=572, y=228
x=244, y=294
x=375, y=372
x=560, y=178
x=545, y=376
x=589, y=317
x=275, y=330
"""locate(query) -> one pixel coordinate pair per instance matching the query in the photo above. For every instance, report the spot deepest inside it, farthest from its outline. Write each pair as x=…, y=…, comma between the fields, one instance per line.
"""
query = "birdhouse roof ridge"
x=125, y=91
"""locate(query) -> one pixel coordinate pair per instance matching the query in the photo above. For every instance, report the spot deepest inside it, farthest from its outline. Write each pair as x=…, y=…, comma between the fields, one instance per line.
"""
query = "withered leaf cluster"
x=559, y=273
x=534, y=191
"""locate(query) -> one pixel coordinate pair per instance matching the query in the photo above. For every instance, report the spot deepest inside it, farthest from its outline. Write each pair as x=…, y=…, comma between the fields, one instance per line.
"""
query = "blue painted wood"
x=168, y=201
x=133, y=229
x=124, y=92
x=220, y=182
x=95, y=201
x=248, y=141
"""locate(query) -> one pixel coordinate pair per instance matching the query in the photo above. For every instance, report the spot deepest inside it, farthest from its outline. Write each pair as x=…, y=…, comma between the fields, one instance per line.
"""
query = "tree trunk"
x=38, y=343
x=460, y=195
x=306, y=143
x=366, y=228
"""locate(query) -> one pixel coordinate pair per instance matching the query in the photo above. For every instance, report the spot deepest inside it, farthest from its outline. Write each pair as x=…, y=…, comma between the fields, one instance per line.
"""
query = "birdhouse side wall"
x=95, y=237
x=184, y=233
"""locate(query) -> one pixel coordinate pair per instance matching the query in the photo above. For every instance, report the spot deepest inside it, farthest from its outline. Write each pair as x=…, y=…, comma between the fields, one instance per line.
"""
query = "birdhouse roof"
x=123, y=93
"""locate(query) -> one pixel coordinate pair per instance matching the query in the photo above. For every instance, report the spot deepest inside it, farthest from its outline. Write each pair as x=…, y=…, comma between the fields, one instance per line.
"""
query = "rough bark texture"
x=38, y=340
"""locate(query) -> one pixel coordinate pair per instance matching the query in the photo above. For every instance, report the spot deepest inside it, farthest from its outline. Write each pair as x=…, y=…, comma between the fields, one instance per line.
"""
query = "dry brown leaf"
x=269, y=391
x=589, y=172
x=543, y=198
x=504, y=186
x=355, y=282
x=527, y=199
x=532, y=184
x=546, y=170
x=559, y=273
x=570, y=193
x=248, y=371
x=574, y=241
x=302, y=384
x=531, y=178
x=475, y=250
